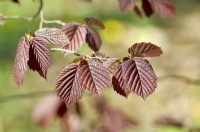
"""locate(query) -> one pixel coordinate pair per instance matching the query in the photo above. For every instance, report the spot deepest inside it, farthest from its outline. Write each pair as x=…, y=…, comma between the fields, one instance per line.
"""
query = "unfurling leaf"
x=111, y=64
x=2, y=20
x=119, y=85
x=39, y=56
x=91, y=21
x=93, y=76
x=144, y=50
x=127, y=5
x=146, y=6
x=53, y=36
x=93, y=39
x=76, y=34
x=68, y=86
x=164, y=8
x=139, y=77
x=21, y=59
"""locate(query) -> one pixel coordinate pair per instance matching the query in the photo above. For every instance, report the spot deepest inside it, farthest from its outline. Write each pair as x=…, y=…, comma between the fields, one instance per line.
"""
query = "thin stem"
x=65, y=50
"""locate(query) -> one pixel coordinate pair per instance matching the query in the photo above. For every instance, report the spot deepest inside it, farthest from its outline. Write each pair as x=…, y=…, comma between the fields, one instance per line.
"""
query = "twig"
x=77, y=54
x=184, y=78
x=24, y=96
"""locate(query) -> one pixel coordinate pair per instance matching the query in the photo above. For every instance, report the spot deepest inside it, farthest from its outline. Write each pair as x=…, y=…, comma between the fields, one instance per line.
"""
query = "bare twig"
x=25, y=96
x=77, y=54
x=180, y=77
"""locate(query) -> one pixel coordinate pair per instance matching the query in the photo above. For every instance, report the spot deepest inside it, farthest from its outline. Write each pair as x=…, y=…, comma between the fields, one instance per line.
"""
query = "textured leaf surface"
x=40, y=56
x=127, y=5
x=139, y=77
x=144, y=50
x=2, y=20
x=93, y=39
x=146, y=6
x=68, y=86
x=119, y=84
x=53, y=36
x=163, y=7
x=91, y=21
x=21, y=60
x=76, y=34
x=93, y=76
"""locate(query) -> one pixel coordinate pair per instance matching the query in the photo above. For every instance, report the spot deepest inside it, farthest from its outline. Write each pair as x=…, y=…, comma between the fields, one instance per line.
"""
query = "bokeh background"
x=177, y=95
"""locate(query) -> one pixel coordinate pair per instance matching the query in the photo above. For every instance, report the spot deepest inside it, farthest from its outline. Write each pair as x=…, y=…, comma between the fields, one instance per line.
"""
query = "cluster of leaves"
x=131, y=74
x=94, y=73
x=163, y=7
x=34, y=52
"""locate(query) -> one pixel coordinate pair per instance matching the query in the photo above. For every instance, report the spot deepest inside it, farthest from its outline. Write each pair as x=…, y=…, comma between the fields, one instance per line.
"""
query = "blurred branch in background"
x=43, y=93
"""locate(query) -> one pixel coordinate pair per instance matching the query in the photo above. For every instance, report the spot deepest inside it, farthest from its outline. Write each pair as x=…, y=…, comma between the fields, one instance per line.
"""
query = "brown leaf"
x=93, y=76
x=21, y=59
x=2, y=20
x=53, y=36
x=146, y=6
x=91, y=21
x=139, y=77
x=93, y=39
x=164, y=8
x=46, y=111
x=127, y=5
x=137, y=11
x=144, y=50
x=118, y=83
x=68, y=86
x=40, y=56
x=76, y=34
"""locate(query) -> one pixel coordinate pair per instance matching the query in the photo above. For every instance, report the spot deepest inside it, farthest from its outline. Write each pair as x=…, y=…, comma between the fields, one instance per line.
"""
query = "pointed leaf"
x=21, y=60
x=144, y=50
x=93, y=76
x=2, y=20
x=68, y=86
x=137, y=11
x=139, y=77
x=40, y=56
x=53, y=36
x=163, y=7
x=76, y=34
x=91, y=21
x=93, y=39
x=146, y=6
x=119, y=84
x=127, y=5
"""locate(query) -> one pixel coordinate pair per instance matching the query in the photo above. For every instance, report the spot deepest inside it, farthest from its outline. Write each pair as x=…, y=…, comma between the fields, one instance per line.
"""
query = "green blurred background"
x=179, y=39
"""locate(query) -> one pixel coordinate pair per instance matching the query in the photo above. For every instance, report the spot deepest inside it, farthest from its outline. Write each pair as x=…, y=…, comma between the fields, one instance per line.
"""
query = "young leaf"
x=127, y=5
x=144, y=50
x=146, y=6
x=40, y=56
x=111, y=64
x=2, y=20
x=118, y=83
x=21, y=59
x=93, y=39
x=139, y=77
x=91, y=21
x=68, y=86
x=76, y=34
x=163, y=7
x=53, y=36
x=93, y=76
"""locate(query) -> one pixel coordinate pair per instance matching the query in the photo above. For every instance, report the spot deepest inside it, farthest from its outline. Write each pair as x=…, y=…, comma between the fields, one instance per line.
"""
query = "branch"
x=25, y=96
x=179, y=77
x=77, y=54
